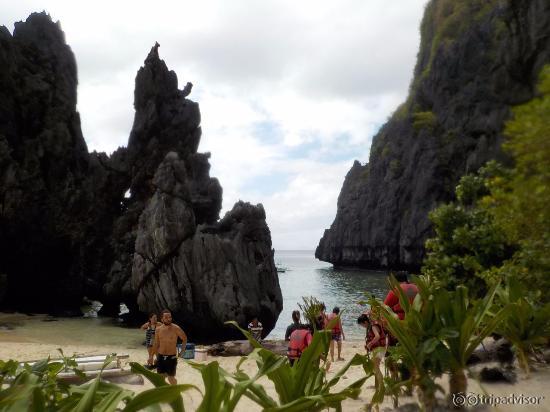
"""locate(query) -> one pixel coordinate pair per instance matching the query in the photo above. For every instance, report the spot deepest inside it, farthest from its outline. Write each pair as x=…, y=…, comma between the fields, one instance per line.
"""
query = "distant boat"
x=280, y=269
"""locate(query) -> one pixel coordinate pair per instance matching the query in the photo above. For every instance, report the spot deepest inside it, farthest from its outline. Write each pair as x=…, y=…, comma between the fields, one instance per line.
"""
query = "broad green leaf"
x=110, y=402
x=162, y=394
x=158, y=381
x=87, y=401
x=357, y=360
x=41, y=366
x=216, y=388
x=154, y=378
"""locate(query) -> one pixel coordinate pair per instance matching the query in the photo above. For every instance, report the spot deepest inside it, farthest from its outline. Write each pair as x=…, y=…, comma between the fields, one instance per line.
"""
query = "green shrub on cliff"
x=468, y=242
x=519, y=202
x=499, y=225
x=424, y=120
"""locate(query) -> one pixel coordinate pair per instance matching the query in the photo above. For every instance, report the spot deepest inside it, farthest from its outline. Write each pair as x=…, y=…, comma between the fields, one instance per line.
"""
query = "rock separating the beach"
x=139, y=227
x=476, y=60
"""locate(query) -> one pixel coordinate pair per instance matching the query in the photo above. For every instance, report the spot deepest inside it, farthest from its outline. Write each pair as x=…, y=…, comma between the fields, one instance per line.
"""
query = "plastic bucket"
x=201, y=354
x=189, y=352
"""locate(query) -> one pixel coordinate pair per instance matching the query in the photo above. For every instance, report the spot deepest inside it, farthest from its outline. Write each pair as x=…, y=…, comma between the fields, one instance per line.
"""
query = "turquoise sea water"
x=307, y=276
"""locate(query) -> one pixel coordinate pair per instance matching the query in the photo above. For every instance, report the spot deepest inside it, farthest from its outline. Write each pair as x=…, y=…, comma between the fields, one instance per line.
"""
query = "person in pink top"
x=337, y=334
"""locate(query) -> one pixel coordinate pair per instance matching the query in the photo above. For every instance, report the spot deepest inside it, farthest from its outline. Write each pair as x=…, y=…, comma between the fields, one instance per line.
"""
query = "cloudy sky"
x=291, y=92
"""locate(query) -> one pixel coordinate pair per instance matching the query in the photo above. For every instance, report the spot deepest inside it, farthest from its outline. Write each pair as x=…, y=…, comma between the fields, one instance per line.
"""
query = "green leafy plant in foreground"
x=36, y=387
x=311, y=308
x=162, y=393
x=528, y=323
x=440, y=331
x=419, y=348
x=303, y=386
x=466, y=322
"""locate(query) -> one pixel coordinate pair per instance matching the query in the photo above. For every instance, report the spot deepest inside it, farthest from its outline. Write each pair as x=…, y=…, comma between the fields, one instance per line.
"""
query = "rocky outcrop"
x=476, y=60
x=52, y=191
x=205, y=273
x=172, y=250
x=67, y=230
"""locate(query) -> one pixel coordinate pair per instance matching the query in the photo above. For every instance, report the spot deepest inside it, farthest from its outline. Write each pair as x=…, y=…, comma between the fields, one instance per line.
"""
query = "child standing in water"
x=150, y=328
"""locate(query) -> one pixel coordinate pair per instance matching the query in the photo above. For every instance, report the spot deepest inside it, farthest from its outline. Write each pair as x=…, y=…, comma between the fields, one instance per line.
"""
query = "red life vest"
x=336, y=328
x=370, y=336
x=392, y=300
x=299, y=340
x=385, y=334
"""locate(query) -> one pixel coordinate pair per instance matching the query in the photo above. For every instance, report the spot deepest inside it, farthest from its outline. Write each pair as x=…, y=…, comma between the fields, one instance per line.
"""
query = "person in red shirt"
x=337, y=334
x=392, y=298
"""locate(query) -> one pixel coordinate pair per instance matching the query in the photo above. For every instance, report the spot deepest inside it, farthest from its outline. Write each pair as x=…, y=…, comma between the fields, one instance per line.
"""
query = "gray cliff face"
x=68, y=231
x=476, y=60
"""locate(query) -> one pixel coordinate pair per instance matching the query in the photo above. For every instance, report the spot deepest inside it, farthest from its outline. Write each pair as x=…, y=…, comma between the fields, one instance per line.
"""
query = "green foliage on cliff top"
x=444, y=21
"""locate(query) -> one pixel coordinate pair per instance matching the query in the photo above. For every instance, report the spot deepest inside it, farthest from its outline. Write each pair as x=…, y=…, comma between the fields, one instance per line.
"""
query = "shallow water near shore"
x=304, y=276
x=307, y=276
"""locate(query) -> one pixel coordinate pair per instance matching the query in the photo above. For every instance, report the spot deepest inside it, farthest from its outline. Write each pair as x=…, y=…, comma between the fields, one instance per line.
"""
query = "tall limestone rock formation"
x=172, y=250
x=68, y=231
x=55, y=198
x=476, y=60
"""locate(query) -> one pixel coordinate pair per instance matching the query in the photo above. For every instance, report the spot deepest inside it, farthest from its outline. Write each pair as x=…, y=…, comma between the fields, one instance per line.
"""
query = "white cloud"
x=290, y=92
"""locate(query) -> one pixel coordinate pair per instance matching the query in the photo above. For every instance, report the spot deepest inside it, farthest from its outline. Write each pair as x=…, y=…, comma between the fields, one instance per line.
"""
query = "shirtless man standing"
x=166, y=338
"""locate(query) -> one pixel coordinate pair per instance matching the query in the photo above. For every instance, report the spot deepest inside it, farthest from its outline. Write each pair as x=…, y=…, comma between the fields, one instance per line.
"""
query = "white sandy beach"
x=35, y=339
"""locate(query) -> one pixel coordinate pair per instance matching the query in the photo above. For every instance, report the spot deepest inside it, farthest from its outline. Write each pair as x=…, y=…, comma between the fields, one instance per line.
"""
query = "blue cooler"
x=189, y=352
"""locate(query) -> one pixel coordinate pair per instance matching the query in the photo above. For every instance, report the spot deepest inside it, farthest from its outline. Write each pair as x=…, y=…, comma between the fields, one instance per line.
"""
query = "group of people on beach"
x=299, y=336
x=161, y=338
x=376, y=333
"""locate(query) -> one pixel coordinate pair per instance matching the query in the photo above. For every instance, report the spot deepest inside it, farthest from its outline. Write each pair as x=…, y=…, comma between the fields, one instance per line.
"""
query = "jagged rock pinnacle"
x=187, y=89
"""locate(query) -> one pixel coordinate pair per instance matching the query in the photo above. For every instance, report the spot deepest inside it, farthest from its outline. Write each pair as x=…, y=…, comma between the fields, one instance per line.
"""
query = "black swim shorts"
x=167, y=364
